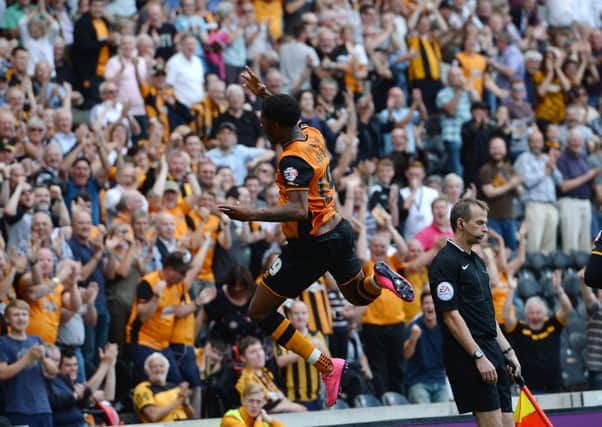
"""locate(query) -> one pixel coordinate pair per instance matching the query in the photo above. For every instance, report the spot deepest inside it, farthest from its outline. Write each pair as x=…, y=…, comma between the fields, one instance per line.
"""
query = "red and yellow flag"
x=528, y=413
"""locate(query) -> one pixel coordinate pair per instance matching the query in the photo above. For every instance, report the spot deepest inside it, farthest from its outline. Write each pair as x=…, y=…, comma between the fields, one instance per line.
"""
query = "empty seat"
x=392, y=398
x=571, y=284
x=537, y=262
x=527, y=286
x=560, y=260
x=366, y=401
x=580, y=259
x=576, y=322
x=574, y=375
x=340, y=404
x=577, y=342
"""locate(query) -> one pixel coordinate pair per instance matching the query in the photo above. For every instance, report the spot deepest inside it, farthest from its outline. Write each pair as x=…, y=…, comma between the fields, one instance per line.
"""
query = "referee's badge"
x=445, y=291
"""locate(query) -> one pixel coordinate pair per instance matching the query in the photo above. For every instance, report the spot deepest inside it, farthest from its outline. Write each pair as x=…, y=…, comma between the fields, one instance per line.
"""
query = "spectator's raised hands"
x=36, y=352
x=417, y=96
x=440, y=242
x=557, y=280
x=17, y=260
x=415, y=332
x=494, y=235
x=78, y=391
x=90, y=293
x=114, y=242
x=97, y=243
x=471, y=192
x=68, y=273
x=184, y=392
x=109, y=354
x=522, y=230
x=206, y=296
x=184, y=242
x=33, y=247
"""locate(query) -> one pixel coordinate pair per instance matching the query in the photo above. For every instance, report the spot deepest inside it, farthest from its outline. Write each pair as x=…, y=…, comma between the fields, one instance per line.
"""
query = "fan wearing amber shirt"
x=47, y=295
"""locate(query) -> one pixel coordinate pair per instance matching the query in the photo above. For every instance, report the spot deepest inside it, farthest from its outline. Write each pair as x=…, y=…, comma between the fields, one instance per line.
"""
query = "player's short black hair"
x=282, y=109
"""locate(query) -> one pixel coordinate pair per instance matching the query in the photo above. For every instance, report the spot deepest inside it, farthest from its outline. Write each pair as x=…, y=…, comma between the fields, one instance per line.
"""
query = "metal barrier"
x=421, y=414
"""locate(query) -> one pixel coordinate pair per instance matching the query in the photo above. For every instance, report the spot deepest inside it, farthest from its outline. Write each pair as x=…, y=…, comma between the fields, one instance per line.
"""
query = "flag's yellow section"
x=528, y=413
x=524, y=407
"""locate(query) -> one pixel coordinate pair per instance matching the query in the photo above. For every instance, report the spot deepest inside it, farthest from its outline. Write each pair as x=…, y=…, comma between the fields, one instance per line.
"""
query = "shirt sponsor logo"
x=445, y=291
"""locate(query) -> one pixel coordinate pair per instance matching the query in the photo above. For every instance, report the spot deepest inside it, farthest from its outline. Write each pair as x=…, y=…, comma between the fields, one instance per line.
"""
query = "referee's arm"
x=457, y=327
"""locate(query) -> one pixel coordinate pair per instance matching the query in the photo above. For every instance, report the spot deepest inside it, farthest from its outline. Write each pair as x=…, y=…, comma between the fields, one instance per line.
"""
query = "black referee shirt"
x=459, y=281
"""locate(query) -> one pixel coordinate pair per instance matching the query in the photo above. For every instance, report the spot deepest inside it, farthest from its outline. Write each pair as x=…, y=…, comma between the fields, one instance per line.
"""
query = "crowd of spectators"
x=123, y=124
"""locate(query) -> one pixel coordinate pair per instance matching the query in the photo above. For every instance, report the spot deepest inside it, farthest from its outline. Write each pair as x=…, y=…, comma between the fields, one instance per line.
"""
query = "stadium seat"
x=527, y=285
x=537, y=262
x=392, y=398
x=366, y=401
x=560, y=260
x=571, y=284
x=580, y=259
x=577, y=342
x=574, y=373
x=340, y=404
x=576, y=322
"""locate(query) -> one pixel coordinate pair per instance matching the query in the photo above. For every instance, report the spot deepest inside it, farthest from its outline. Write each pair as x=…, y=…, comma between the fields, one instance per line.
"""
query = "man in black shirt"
x=537, y=339
x=248, y=127
x=473, y=344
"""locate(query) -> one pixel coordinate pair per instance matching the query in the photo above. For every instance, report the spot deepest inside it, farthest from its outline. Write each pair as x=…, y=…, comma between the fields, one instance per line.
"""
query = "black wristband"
x=508, y=350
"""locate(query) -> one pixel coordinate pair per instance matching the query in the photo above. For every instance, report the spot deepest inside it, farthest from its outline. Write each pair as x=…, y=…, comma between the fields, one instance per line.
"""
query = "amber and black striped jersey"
x=427, y=64
x=155, y=332
x=316, y=299
x=301, y=379
x=304, y=165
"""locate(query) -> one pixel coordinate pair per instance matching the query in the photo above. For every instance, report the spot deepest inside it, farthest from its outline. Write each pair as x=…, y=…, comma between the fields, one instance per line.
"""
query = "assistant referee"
x=474, y=348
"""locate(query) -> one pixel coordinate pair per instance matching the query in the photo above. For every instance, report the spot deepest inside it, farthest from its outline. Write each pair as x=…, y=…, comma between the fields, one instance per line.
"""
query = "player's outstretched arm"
x=295, y=209
x=251, y=81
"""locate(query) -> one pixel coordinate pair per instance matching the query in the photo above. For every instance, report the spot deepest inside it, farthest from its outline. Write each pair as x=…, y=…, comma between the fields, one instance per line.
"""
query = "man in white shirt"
x=417, y=200
x=63, y=136
x=185, y=72
x=295, y=57
x=110, y=109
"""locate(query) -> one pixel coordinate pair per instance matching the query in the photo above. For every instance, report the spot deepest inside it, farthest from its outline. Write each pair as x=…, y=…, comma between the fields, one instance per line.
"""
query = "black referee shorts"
x=471, y=394
x=303, y=261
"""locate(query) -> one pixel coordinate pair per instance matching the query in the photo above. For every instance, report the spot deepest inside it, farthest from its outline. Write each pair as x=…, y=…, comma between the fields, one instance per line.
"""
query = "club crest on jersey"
x=290, y=174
